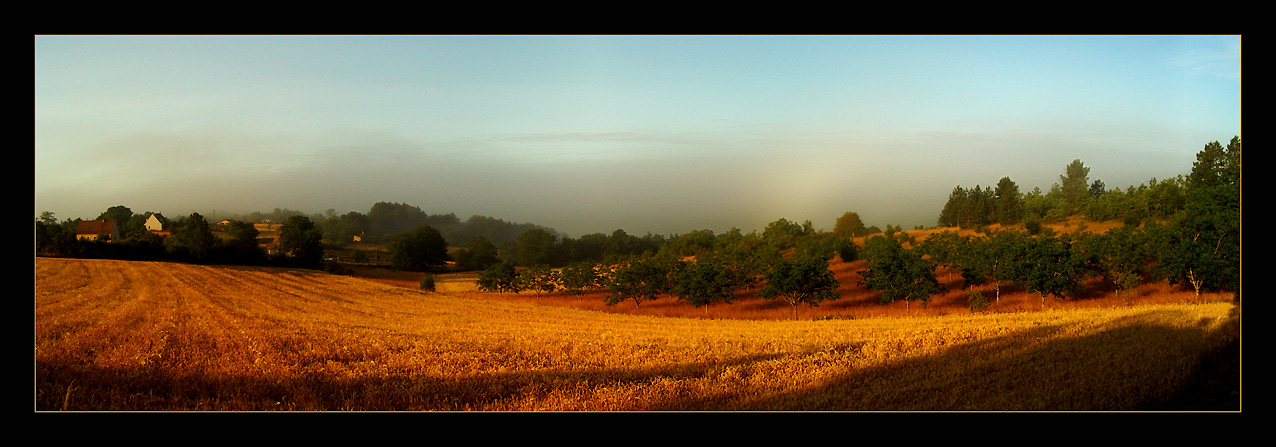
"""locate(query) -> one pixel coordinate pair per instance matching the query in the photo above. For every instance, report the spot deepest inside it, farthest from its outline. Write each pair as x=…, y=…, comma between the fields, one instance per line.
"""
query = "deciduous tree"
x=801, y=281
x=899, y=274
x=500, y=278
x=580, y=277
x=1051, y=268
x=195, y=237
x=642, y=280
x=849, y=225
x=703, y=282
x=418, y=250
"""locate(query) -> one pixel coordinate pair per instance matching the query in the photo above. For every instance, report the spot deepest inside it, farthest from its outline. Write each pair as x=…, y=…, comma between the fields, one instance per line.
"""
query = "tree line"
x=1186, y=232
x=193, y=240
x=1075, y=194
x=723, y=264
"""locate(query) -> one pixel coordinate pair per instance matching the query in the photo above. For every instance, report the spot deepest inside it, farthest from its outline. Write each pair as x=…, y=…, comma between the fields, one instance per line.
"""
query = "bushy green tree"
x=642, y=280
x=195, y=237
x=419, y=250
x=501, y=278
x=1123, y=255
x=899, y=274
x=849, y=225
x=998, y=259
x=345, y=228
x=784, y=234
x=805, y=280
x=301, y=241
x=121, y=215
x=1051, y=268
x=580, y=277
x=1201, y=244
x=704, y=282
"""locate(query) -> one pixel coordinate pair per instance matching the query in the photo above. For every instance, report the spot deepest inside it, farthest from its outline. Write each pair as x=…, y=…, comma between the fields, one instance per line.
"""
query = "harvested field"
x=144, y=336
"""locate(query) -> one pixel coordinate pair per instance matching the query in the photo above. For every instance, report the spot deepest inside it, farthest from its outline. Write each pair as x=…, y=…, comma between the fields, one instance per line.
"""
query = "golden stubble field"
x=143, y=336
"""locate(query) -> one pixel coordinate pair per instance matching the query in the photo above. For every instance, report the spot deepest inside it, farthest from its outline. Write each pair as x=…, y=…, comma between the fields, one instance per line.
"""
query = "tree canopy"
x=806, y=280
x=419, y=250
x=899, y=274
x=301, y=241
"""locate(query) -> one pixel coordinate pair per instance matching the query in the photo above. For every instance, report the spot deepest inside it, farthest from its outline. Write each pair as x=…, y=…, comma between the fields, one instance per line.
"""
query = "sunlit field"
x=143, y=336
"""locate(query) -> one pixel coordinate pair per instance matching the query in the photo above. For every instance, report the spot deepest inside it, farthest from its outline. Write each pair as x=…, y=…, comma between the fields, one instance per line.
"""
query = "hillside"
x=116, y=335
x=856, y=301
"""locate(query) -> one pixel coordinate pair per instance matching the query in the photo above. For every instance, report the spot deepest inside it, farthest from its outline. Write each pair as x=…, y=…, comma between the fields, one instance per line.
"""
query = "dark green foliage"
x=500, y=278
x=823, y=246
x=240, y=245
x=581, y=277
x=998, y=258
x=1009, y=203
x=535, y=247
x=54, y=239
x=427, y=283
x=643, y=280
x=783, y=234
x=802, y=281
x=387, y=219
x=975, y=300
x=899, y=274
x=419, y=250
x=195, y=238
x=1074, y=184
x=1201, y=245
x=846, y=250
x=969, y=208
x=301, y=241
x=1051, y=267
x=478, y=254
x=340, y=230
x=849, y=225
x=703, y=282
x=691, y=244
x=1033, y=225
x=120, y=214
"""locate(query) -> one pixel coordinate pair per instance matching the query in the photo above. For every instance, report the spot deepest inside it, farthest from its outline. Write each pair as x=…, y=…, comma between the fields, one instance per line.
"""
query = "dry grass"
x=115, y=335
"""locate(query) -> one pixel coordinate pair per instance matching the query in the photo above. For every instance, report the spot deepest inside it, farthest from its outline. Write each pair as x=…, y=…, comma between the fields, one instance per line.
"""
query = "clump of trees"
x=897, y=273
x=418, y=250
x=1075, y=194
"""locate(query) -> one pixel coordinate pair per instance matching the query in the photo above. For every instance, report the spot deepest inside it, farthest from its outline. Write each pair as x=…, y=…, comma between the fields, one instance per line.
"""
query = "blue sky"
x=661, y=134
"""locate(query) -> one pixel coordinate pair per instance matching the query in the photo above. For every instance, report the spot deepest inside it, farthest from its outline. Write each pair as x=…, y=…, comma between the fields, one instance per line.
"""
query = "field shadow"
x=1108, y=371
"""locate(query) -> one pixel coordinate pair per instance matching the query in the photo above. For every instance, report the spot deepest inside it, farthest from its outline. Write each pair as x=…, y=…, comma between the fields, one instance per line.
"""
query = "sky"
x=589, y=134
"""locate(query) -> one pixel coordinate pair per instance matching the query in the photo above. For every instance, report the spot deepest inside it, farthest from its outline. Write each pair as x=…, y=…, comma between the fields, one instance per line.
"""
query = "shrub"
x=975, y=300
x=427, y=283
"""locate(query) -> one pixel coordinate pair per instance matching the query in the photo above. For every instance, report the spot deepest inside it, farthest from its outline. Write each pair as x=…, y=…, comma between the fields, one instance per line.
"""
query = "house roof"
x=95, y=227
x=159, y=217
